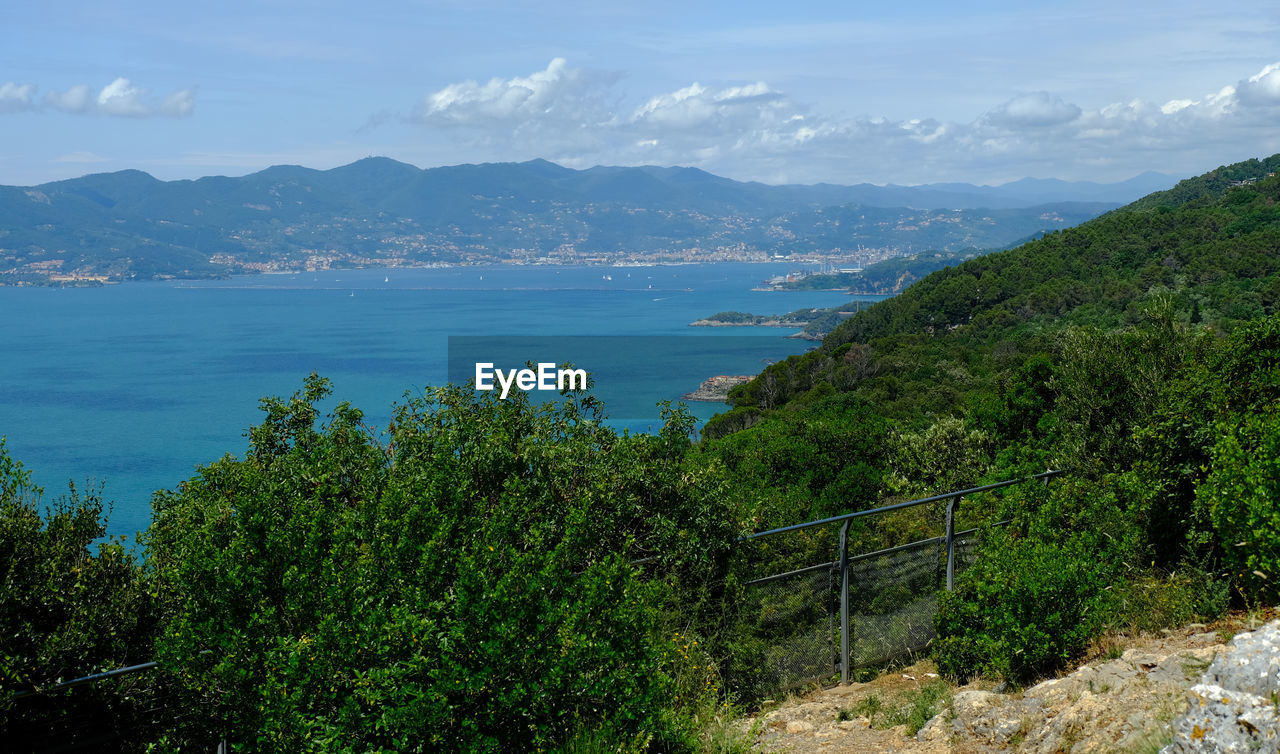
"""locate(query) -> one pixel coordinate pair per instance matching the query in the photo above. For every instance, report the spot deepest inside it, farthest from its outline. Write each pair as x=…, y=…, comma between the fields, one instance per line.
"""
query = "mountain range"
x=377, y=211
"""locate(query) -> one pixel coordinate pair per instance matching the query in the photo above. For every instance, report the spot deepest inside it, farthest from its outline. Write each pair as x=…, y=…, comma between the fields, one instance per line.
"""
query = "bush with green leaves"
x=67, y=609
x=946, y=456
x=1154, y=601
x=1041, y=590
x=1024, y=609
x=1241, y=498
x=823, y=458
x=465, y=586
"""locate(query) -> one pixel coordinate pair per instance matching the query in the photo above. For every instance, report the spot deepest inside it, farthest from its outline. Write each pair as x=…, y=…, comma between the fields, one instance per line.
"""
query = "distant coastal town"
x=56, y=271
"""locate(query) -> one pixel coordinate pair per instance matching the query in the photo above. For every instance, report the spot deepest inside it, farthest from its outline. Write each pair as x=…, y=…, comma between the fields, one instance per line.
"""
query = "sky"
x=779, y=92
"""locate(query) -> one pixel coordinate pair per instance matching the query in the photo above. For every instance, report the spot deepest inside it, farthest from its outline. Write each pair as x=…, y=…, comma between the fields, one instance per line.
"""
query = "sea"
x=130, y=388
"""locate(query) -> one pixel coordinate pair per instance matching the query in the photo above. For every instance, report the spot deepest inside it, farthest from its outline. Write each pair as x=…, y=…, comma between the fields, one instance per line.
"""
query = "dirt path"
x=1123, y=698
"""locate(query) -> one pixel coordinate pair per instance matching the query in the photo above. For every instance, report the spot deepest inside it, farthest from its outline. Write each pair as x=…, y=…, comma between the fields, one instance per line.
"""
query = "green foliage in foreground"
x=464, y=587
x=1040, y=590
x=1240, y=497
x=66, y=609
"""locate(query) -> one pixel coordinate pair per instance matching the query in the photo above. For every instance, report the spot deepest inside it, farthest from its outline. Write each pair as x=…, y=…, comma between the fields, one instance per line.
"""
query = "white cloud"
x=77, y=99
x=756, y=131
x=540, y=94
x=696, y=106
x=180, y=104
x=15, y=97
x=1036, y=110
x=1262, y=89
x=120, y=98
x=1220, y=102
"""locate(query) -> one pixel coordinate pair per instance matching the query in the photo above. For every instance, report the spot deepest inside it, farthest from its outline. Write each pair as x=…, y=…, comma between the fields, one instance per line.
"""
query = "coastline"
x=35, y=280
x=765, y=323
x=716, y=389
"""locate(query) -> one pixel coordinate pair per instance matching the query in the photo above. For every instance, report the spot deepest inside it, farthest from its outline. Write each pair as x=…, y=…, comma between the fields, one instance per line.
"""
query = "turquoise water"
x=133, y=386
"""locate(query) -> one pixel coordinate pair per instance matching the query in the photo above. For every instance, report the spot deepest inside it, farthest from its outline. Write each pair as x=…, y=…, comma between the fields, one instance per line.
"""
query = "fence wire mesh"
x=792, y=604
x=892, y=602
x=794, y=623
x=966, y=547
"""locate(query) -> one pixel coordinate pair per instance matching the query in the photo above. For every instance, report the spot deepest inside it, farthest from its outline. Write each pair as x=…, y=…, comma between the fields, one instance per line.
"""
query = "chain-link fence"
x=892, y=601
x=794, y=629
x=809, y=621
x=788, y=613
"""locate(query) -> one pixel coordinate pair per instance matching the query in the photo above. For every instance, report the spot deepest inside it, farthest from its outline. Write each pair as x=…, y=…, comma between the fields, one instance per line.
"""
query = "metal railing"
x=114, y=729
x=92, y=678
x=888, y=616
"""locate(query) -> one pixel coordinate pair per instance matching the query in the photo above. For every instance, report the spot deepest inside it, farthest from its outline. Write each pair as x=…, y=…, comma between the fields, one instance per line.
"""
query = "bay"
x=133, y=386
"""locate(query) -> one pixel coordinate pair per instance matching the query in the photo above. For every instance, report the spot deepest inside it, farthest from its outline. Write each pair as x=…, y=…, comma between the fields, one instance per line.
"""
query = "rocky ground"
x=1133, y=694
x=716, y=389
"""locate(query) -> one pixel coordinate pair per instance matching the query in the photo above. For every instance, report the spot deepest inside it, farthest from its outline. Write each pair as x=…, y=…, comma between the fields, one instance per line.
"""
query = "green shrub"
x=946, y=456
x=1151, y=602
x=1039, y=591
x=68, y=609
x=1025, y=608
x=1240, y=497
x=466, y=587
x=827, y=453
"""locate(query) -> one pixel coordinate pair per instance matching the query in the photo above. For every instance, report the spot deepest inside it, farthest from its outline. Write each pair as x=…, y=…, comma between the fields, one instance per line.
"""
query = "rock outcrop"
x=1119, y=704
x=1184, y=686
x=1234, y=706
x=716, y=389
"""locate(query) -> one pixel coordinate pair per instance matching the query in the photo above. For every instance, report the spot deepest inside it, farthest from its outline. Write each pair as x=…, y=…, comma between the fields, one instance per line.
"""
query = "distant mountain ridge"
x=377, y=211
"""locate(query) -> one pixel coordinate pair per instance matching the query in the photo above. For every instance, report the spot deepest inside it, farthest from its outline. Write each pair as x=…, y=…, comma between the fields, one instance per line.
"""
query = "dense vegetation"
x=65, y=610
x=492, y=575
x=1138, y=350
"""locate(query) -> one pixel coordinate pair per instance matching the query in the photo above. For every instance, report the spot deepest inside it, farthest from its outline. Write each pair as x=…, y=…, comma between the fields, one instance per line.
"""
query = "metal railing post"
x=844, y=601
x=844, y=562
x=952, y=505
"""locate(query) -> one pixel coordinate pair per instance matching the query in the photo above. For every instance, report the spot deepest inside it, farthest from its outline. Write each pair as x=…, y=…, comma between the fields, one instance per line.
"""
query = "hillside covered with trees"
x=502, y=576
x=1138, y=350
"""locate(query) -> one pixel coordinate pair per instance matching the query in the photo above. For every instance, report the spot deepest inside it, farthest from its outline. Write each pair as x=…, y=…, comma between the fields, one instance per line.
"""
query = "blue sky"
x=983, y=92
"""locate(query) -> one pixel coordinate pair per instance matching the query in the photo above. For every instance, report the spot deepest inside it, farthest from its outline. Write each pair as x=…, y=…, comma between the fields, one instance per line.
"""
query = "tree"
x=66, y=611
x=465, y=586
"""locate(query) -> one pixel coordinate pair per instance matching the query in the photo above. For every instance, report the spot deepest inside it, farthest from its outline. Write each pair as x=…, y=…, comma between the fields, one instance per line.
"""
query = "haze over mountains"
x=377, y=211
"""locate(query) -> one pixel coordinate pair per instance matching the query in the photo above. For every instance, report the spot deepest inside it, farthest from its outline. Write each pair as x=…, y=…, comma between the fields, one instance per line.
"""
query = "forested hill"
x=379, y=212
x=1211, y=246
x=1210, y=186
x=1138, y=351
